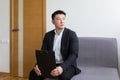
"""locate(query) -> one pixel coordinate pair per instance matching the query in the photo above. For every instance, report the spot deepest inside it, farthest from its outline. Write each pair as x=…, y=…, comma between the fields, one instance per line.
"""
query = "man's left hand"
x=57, y=71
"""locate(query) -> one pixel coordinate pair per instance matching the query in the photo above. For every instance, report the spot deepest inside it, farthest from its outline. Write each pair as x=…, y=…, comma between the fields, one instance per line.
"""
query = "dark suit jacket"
x=69, y=47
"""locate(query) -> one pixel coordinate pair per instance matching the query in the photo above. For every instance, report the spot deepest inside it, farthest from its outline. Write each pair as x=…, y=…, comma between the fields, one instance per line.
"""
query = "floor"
x=6, y=76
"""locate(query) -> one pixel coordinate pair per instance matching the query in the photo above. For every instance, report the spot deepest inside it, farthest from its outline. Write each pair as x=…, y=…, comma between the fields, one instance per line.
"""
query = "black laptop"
x=46, y=62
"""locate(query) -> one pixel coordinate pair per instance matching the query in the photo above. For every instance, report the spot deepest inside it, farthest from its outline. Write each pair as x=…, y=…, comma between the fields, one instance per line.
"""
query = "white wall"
x=4, y=35
x=89, y=18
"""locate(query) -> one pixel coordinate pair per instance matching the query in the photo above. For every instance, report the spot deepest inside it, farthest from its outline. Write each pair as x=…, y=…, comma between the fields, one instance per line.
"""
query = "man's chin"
x=62, y=28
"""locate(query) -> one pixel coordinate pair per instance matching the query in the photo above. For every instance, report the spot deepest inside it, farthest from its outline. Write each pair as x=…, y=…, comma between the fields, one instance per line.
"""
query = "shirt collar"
x=60, y=32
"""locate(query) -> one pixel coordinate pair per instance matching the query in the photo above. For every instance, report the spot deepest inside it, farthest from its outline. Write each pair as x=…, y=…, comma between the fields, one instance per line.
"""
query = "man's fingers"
x=37, y=71
x=55, y=72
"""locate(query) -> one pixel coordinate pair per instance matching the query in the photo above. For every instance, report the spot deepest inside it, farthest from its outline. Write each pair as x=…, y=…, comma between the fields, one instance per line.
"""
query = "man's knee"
x=64, y=77
x=31, y=75
x=34, y=76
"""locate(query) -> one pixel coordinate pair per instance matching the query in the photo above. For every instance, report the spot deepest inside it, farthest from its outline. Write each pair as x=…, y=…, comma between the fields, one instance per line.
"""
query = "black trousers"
x=66, y=75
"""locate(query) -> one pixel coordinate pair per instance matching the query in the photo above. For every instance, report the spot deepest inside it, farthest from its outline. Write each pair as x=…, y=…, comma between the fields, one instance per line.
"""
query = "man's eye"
x=58, y=19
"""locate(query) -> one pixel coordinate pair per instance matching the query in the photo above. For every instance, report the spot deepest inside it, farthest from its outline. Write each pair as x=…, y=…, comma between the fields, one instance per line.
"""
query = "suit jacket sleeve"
x=70, y=50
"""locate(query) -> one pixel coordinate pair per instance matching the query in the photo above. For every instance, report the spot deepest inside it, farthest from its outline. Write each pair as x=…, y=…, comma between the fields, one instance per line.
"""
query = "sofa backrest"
x=97, y=51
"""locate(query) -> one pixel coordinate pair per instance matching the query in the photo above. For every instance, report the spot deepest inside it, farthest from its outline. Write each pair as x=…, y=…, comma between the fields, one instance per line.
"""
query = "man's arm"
x=73, y=51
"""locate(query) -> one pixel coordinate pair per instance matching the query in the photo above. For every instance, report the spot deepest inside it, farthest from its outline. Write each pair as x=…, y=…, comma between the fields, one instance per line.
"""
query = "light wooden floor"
x=6, y=76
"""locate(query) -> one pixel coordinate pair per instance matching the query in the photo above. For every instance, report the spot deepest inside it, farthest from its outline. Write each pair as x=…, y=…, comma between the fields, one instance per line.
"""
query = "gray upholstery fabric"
x=98, y=52
x=98, y=59
x=97, y=73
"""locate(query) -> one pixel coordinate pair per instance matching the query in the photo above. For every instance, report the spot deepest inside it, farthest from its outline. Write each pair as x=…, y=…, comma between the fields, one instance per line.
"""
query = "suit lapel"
x=63, y=40
x=52, y=39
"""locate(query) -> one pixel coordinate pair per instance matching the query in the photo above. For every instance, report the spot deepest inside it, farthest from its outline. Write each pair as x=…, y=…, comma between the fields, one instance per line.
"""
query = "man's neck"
x=58, y=31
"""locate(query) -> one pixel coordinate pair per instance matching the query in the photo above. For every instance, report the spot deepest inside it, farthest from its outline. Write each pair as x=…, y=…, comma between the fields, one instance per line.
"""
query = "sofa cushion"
x=97, y=51
x=97, y=73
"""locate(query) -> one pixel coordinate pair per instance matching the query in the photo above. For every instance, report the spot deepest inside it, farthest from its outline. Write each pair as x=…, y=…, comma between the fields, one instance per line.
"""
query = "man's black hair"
x=58, y=12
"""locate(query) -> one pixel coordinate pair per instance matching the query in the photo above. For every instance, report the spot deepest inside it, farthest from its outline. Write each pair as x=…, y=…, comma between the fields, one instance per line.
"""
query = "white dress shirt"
x=57, y=46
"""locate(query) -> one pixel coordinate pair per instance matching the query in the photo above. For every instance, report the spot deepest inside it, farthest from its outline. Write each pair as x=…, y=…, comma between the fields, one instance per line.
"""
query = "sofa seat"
x=97, y=73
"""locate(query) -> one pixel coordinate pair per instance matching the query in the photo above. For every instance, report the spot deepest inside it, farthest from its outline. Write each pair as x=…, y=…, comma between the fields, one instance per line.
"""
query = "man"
x=64, y=42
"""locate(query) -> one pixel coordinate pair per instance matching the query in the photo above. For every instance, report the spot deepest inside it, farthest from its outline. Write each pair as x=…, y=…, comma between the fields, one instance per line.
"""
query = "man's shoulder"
x=50, y=32
x=69, y=30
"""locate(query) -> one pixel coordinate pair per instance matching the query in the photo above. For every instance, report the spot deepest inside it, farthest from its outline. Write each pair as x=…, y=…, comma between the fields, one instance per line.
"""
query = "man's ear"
x=52, y=21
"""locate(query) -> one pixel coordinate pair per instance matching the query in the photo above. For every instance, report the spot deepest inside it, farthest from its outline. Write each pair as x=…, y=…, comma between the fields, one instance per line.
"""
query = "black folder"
x=46, y=62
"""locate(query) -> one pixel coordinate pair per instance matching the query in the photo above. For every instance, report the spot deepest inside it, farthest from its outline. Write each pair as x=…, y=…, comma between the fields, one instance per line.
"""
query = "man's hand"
x=37, y=70
x=57, y=71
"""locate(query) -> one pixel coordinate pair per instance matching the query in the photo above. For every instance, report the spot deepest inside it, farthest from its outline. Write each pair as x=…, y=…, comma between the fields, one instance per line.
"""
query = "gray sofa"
x=98, y=59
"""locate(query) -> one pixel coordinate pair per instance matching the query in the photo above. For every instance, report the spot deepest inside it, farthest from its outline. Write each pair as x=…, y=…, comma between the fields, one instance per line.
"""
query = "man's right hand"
x=37, y=70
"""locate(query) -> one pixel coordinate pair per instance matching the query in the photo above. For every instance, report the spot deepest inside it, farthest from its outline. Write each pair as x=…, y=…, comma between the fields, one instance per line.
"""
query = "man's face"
x=59, y=21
